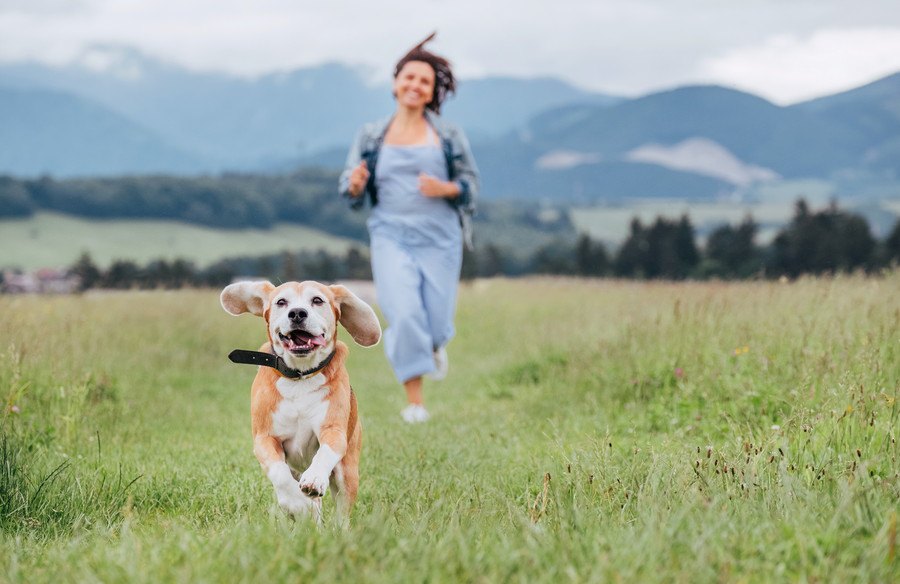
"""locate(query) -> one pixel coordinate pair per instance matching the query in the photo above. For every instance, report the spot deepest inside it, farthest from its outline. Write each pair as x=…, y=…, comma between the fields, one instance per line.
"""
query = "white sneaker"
x=441, y=365
x=414, y=414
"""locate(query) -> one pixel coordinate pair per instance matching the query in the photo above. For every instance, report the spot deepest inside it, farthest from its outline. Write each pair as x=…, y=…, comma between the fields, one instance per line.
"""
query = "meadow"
x=589, y=431
x=56, y=240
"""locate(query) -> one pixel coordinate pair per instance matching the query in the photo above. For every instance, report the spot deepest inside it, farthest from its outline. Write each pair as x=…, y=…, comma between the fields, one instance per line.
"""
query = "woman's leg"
x=413, y=389
x=415, y=412
x=398, y=282
x=439, y=290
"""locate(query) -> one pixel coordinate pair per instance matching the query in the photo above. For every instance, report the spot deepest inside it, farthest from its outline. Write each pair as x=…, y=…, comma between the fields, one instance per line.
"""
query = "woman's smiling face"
x=414, y=85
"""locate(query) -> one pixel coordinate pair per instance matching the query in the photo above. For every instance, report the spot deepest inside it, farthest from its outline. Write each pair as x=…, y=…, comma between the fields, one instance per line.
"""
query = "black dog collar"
x=276, y=362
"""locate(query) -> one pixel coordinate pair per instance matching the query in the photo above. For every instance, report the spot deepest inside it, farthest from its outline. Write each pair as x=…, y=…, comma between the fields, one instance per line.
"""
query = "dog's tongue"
x=303, y=340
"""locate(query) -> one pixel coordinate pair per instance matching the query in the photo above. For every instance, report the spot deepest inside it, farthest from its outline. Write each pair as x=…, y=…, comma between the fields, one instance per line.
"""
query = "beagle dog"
x=306, y=431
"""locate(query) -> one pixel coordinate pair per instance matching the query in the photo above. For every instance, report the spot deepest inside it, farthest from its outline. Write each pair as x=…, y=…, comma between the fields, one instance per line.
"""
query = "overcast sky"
x=784, y=50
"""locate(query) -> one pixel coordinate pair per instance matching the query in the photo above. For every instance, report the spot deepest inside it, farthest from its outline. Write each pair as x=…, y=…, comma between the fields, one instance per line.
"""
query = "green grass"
x=56, y=240
x=589, y=431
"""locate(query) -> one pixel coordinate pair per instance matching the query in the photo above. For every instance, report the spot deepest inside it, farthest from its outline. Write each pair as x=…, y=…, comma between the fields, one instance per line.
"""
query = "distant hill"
x=872, y=108
x=534, y=138
x=51, y=132
x=232, y=123
x=698, y=143
x=882, y=96
x=228, y=122
x=612, y=152
x=516, y=168
x=791, y=142
x=493, y=106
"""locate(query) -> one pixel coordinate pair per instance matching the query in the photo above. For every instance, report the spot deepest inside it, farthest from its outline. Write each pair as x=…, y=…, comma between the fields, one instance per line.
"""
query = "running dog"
x=306, y=430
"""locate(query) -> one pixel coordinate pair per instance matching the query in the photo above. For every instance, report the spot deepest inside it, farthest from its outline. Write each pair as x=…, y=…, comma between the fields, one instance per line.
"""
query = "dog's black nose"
x=297, y=314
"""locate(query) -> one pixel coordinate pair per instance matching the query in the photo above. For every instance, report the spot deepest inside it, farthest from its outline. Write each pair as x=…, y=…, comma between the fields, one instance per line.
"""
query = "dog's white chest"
x=299, y=417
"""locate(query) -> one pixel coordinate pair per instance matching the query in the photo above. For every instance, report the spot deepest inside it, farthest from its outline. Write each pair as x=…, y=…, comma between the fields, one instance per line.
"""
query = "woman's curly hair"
x=444, y=82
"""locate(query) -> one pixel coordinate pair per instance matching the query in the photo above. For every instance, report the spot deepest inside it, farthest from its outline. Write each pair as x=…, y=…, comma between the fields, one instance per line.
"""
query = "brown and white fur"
x=306, y=432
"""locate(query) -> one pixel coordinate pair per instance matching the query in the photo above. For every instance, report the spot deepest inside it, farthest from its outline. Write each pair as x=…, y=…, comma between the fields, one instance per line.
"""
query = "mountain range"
x=537, y=138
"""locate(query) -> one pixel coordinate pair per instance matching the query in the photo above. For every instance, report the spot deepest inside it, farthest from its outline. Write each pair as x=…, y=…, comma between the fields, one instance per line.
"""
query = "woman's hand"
x=434, y=187
x=358, y=179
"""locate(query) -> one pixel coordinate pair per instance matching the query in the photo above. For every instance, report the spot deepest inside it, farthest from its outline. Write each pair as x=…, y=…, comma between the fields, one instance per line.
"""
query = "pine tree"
x=631, y=259
x=357, y=265
x=732, y=252
x=685, y=249
x=491, y=262
x=892, y=245
x=87, y=271
x=122, y=274
x=825, y=242
x=591, y=258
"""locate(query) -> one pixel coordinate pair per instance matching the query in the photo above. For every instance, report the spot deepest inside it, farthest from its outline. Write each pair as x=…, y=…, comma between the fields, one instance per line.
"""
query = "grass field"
x=56, y=240
x=589, y=431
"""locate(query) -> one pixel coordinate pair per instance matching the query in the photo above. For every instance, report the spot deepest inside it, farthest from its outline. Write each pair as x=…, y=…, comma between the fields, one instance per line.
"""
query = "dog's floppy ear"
x=242, y=297
x=357, y=317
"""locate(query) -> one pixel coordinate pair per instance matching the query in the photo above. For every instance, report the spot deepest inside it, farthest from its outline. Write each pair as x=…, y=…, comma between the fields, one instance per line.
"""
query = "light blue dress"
x=416, y=247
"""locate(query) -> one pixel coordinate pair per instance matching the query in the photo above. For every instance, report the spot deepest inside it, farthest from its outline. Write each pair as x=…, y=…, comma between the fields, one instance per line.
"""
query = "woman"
x=421, y=181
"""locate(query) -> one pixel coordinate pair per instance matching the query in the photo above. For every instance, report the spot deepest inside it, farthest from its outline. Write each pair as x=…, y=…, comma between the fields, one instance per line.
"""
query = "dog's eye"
x=318, y=301
x=281, y=302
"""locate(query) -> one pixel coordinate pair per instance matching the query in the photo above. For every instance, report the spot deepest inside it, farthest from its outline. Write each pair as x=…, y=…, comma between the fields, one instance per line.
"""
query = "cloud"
x=782, y=50
x=787, y=68
x=241, y=37
x=42, y=6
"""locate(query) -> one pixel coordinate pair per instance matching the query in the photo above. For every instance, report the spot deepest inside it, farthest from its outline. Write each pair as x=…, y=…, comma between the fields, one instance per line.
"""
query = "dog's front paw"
x=296, y=505
x=313, y=483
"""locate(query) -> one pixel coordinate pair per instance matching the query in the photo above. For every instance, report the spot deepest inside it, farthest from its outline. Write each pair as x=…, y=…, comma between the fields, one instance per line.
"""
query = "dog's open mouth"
x=301, y=342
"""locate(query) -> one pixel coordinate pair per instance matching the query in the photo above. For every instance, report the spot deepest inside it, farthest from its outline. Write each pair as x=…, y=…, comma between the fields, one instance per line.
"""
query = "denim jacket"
x=461, y=167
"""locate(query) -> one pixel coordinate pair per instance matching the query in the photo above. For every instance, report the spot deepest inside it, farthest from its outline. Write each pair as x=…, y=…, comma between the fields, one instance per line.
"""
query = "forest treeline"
x=824, y=242
x=229, y=201
x=237, y=201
